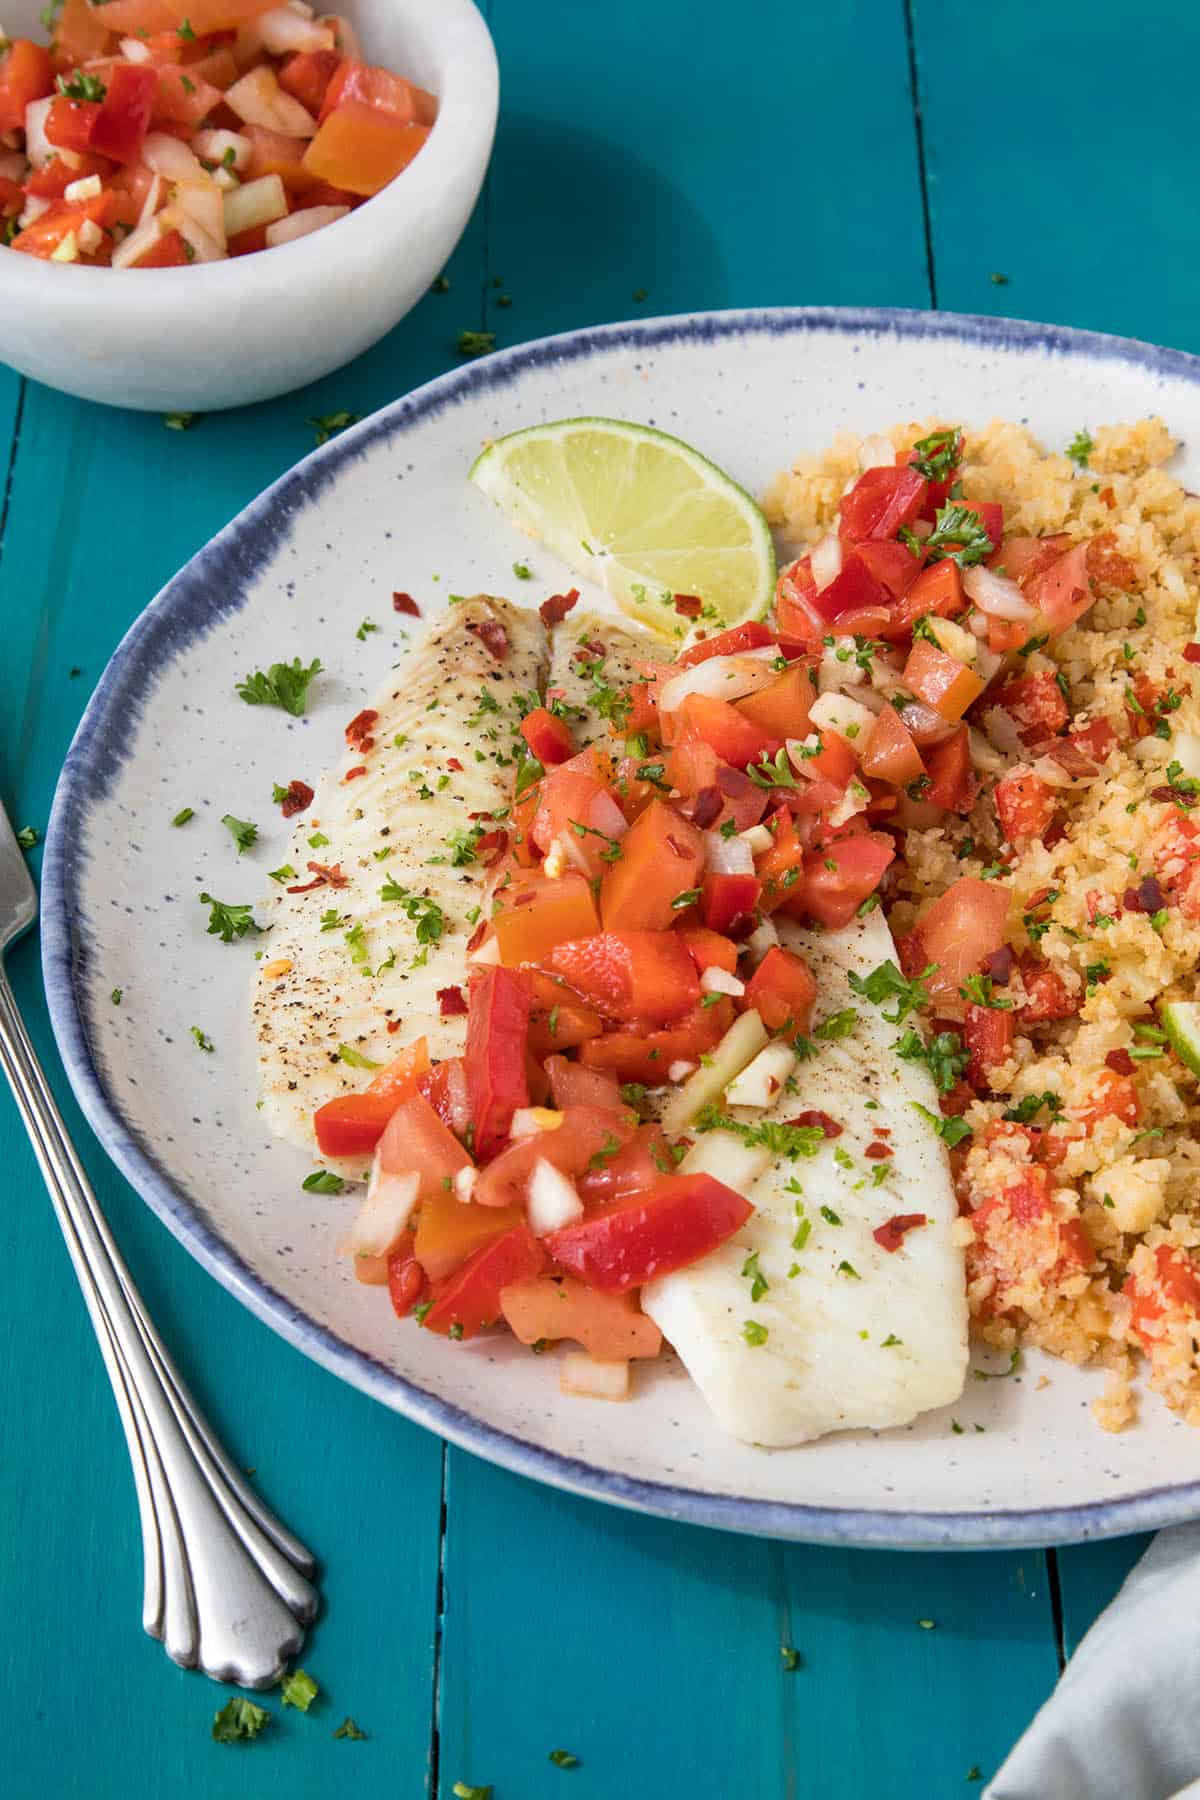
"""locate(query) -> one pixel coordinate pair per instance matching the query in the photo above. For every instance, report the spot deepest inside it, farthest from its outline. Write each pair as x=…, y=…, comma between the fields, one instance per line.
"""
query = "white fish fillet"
x=624, y=646
x=333, y=990
x=830, y=1361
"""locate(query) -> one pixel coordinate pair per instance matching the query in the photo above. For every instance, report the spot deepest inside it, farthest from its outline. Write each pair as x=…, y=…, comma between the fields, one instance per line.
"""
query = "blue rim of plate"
x=103, y=741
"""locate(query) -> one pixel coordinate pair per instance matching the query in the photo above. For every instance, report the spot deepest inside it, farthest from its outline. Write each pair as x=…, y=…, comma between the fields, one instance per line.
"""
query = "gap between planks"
x=910, y=38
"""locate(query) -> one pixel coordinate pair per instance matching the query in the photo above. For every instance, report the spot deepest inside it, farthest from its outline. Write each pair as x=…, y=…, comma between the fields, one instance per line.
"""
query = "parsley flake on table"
x=792, y=1659
x=244, y=834
x=365, y=629
x=1014, y=1363
x=522, y=571
x=116, y=995
x=179, y=421
x=28, y=836
x=322, y=1181
x=182, y=817
x=475, y=343
x=202, y=1038
x=563, y=1759
x=348, y=1729
x=329, y=425
x=228, y=921
x=298, y=1689
x=284, y=685
x=239, y=1721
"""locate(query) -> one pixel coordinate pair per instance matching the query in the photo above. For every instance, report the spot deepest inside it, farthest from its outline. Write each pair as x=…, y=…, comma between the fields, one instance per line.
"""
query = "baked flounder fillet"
x=830, y=1329
x=388, y=923
x=593, y=660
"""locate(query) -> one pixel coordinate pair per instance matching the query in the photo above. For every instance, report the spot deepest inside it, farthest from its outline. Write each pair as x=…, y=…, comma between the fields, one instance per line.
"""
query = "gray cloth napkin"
x=1124, y=1720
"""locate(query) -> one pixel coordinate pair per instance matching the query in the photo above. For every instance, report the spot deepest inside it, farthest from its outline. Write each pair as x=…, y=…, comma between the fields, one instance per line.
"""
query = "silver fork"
x=226, y=1585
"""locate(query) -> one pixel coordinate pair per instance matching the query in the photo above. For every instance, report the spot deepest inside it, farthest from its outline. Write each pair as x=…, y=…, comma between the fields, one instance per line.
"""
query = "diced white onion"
x=1054, y=775
x=826, y=560
x=856, y=799
x=134, y=51
x=720, y=981
x=1002, y=731
x=728, y=856
x=758, y=838
x=38, y=147
x=581, y=1375
x=130, y=251
x=488, y=952
x=680, y=1070
x=346, y=38
x=527, y=1121
x=32, y=210
x=302, y=224
x=464, y=1183
x=721, y=678
x=838, y=667
x=383, y=1215
x=996, y=594
x=258, y=202
x=764, y=937
x=90, y=237
x=66, y=250
x=876, y=453
x=954, y=639
x=203, y=202
x=203, y=246
x=837, y=712
x=760, y=1082
x=741, y=1043
x=226, y=180
x=259, y=100
x=156, y=193
x=552, y=1200
x=1185, y=747
x=168, y=157
x=85, y=189
x=285, y=29
x=213, y=146
x=984, y=756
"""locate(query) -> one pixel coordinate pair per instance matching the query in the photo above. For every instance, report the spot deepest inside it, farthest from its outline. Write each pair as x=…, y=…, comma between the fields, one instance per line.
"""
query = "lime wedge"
x=1181, y=1022
x=638, y=512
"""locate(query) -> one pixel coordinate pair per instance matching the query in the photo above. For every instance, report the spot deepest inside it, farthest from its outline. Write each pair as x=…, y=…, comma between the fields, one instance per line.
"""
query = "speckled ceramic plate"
x=388, y=506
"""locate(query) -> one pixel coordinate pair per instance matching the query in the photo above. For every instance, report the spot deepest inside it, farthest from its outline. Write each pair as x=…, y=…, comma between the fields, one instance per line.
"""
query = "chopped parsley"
x=354, y=1059
x=687, y=898
x=348, y=1729
x=182, y=817
x=837, y=1025
x=950, y=1129
x=563, y=1759
x=239, y=1721
x=365, y=629
x=829, y=1216
x=202, y=1038
x=322, y=1181
x=755, y=1334
x=849, y=1271
x=891, y=1340
x=886, y=982
x=332, y=423
x=425, y=914
x=791, y=1658
x=958, y=533
x=298, y=1689
x=284, y=872
x=605, y=1153
x=78, y=86
x=1014, y=1363
x=944, y=1055
x=27, y=837
x=754, y=1275
x=979, y=990
x=284, y=685
x=775, y=1135
x=775, y=773
x=228, y=921
x=1080, y=448
x=938, y=453
x=179, y=421
x=115, y=996
x=243, y=833
x=1031, y=1106
x=522, y=571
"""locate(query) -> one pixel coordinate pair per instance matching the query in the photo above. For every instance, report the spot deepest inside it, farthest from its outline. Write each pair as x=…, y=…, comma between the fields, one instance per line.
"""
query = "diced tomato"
x=445, y=1088
x=661, y=859
x=416, y=1142
x=362, y=149
x=938, y=590
x=1025, y=805
x=891, y=564
x=548, y=737
x=571, y=1084
x=880, y=502
x=781, y=710
x=988, y=1036
x=470, y=1299
x=366, y=85
x=497, y=1031
x=1024, y=557
x=734, y=737
x=133, y=18
x=795, y=604
x=889, y=753
x=1175, y=1281
x=571, y=1147
x=1047, y=994
x=183, y=97
x=323, y=194
x=611, y=1327
x=991, y=517
x=676, y=1223
x=631, y=974
x=641, y=715
x=709, y=949
x=647, y=1056
x=965, y=925
x=782, y=991
x=352, y=1124
x=839, y=877
x=753, y=635
x=779, y=867
x=1112, y=1096
x=1036, y=704
x=941, y=681
x=405, y=1276
x=1062, y=593
x=26, y=75
x=576, y=795
x=167, y=252
x=44, y=236
x=306, y=76
x=727, y=902
x=951, y=782
x=69, y=123
x=79, y=35
x=274, y=153
x=558, y=1020
x=538, y=914
x=53, y=178
x=12, y=197
x=854, y=590
x=119, y=128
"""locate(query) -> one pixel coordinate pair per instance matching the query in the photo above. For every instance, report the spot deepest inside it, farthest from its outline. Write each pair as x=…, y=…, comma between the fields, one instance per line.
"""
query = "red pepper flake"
x=555, y=609
x=891, y=1234
x=393, y=1027
x=1147, y=897
x=453, y=764
x=590, y=648
x=451, y=1003
x=1175, y=796
x=1191, y=653
x=358, y=731
x=1108, y=497
x=1120, y=1062
x=326, y=874
x=353, y=774
x=1055, y=832
x=877, y=1151
x=404, y=603
x=707, y=806
x=689, y=606
x=491, y=847
x=477, y=936
x=492, y=636
x=298, y=796
x=821, y=1120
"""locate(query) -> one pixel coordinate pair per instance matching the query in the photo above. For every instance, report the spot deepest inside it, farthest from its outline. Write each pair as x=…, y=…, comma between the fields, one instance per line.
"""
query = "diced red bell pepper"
x=988, y=1036
x=69, y=123
x=753, y=635
x=306, y=76
x=661, y=858
x=352, y=1124
x=548, y=737
x=647, y=1056
x=891, y=564
x=938, y=589
x=880, y=502
x=44, y=236
x=559, y=1020
x=54, y=177
x=832, y=896
x=26, y=75
x=951, y=783
x=631, y=974
x=727, y=902
x=782, y=991
x=469, y=1301
x=119, y=128
x=497, y=1032
x=632, y=1242
x=991, y=517
x=538, y=914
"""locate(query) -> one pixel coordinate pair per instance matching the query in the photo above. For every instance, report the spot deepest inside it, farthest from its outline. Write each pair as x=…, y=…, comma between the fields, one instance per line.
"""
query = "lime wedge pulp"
x=637, y=512
x=1181, y=1021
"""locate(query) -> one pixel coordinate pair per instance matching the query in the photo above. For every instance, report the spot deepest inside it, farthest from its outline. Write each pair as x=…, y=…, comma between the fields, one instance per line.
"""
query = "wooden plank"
x=1089, y=1576
x=1058, y=160
x=104, y=507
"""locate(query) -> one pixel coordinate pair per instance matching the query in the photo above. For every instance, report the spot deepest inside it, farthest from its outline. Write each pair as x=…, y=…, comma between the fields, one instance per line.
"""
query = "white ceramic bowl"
x=227, y=333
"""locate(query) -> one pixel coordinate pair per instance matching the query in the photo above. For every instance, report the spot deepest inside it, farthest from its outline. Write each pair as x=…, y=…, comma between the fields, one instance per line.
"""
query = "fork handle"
x=226, y=1585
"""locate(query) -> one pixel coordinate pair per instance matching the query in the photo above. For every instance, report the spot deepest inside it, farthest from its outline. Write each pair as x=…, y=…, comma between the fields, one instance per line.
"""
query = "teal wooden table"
x=651, y=158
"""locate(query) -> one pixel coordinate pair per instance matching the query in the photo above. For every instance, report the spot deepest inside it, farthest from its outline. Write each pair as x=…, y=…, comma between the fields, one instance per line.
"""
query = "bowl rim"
x=102, y=743
x=461, y=136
